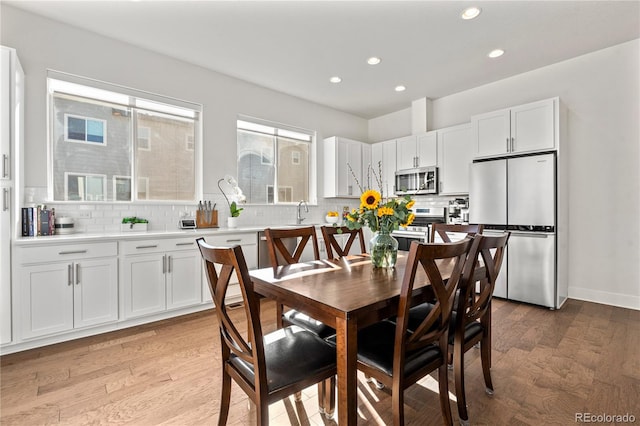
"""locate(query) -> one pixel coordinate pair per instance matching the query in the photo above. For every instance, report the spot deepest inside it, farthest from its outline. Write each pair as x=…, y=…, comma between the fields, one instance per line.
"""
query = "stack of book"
x=38, y=221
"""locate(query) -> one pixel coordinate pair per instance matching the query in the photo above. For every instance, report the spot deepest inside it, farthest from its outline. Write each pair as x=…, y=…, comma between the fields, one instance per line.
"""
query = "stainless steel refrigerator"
x=519, y=194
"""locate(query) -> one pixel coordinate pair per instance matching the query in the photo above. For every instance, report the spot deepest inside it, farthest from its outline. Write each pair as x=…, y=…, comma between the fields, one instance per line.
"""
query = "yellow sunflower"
x=411, y=203
x=409, y=219
x=385, y=211
x=370, y=199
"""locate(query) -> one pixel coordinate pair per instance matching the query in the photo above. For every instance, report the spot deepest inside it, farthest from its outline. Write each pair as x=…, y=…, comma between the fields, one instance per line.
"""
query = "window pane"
x=79, y=146
x=293, y=170
x=256, y=166
x=167, y=164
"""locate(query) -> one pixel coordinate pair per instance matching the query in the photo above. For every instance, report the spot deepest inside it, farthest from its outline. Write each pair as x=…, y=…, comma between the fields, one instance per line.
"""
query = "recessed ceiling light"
x=496, y=53
x=400, y=88
x=470, y=13
x=335, y=79
x=374, y=60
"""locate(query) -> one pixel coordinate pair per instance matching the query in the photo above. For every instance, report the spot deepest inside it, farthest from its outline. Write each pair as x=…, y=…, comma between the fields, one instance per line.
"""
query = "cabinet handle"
x=146, y=247
x=5, y=199
x=169, y=260
x=164, y=263
x=237, y=240
x=72, y=252
x=508, y=145
x=77, y=274
x=512, y=145
x=70, y=274
x=5, y=163
x=185, y=244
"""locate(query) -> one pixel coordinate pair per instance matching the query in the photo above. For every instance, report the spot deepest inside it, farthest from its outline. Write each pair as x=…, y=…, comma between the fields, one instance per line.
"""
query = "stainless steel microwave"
x=423, y=180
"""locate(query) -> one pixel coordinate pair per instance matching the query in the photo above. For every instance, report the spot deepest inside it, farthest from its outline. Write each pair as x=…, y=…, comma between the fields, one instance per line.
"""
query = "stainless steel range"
x=421, y=227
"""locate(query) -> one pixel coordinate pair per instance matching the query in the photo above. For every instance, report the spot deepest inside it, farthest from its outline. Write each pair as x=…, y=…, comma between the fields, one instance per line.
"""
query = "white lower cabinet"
x=158, y=275
x=66, y=287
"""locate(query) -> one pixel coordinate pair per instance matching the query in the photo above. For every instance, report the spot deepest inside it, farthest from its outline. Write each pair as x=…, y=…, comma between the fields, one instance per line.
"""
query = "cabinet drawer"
x=159, y=245
x=230, y=240
x=62, y=252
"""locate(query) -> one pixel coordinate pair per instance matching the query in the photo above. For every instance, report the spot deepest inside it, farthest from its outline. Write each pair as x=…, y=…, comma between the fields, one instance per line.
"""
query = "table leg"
x=347, y=357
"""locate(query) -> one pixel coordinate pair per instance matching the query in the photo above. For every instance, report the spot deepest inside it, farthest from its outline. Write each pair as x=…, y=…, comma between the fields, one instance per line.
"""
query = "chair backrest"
x=329, y=233
x=279, y=254
x=441, y=229
x=230, y=260
x=437, y=260
x=475, y=302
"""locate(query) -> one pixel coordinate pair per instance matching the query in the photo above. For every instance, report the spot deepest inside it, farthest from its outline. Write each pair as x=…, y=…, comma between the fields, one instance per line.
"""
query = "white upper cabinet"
x=384, y=154
x=526, y=128
x=417, y=151
x=455, y=148
x=344, y=162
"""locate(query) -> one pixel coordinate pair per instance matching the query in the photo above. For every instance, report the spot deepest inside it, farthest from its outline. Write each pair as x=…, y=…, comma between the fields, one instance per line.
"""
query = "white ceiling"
x=296, y=46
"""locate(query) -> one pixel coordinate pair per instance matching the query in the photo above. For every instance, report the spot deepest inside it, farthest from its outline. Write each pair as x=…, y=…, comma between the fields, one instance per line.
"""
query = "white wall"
x=601, y=92
x=42, y=43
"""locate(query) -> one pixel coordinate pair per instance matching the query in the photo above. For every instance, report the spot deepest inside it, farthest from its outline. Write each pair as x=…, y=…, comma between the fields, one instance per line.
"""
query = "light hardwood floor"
x=547, y=366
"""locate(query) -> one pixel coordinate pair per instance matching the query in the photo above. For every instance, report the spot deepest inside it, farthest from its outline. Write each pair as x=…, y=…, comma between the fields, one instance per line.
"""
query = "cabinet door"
x=532, y=126
x=46, y=299
x=184, y=279
x=143, y=284
x=5, y=265
x=406, y=152
x=383, y=156
x=95, y=292
x=5, y=113
x=457, y=154
x=355, y=167
x=491, y=132
x=427, y=149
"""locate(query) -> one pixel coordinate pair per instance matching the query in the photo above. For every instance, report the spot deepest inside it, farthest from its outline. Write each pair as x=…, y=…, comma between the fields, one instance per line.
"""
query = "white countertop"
x=111, y=236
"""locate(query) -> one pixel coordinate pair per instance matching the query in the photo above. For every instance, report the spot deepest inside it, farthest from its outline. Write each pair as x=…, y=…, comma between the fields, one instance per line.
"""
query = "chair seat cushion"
x=291, y=355
x=376, y=344
x=294, y=317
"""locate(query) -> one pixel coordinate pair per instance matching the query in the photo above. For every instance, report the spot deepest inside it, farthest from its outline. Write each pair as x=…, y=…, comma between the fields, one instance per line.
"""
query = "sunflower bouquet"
x=378, y=213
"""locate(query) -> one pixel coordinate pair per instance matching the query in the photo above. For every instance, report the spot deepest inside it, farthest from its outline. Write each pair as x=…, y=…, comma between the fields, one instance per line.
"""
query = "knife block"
x=201, y=219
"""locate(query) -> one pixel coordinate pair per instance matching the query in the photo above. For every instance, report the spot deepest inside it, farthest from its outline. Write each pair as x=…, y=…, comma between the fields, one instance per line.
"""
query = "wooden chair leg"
x=262, y=413
x=225, y=399
x=329, y=393
x=458, y=368
x=443, y=382
x=485, y=357
x=397, y=404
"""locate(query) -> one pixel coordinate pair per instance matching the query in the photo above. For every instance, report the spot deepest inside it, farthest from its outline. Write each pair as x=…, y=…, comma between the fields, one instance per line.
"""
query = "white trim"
x=605, y=297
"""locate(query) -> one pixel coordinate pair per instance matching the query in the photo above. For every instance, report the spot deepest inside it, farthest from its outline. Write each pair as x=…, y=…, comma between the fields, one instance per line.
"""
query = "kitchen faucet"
x=299, y=217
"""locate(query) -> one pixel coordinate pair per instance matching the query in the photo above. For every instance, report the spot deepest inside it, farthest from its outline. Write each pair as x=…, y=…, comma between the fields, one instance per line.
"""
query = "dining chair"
x=442, y=230
x=280, y=254
x=471, y=320
x=397, y=357
x=266, y=367
x=329, y=235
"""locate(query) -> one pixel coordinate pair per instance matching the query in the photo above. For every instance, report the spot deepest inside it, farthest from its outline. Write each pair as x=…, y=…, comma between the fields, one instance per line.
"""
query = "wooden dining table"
x=347, y=294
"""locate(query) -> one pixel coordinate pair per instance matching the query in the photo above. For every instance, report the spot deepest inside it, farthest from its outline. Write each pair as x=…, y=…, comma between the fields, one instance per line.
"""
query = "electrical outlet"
x=83, y=215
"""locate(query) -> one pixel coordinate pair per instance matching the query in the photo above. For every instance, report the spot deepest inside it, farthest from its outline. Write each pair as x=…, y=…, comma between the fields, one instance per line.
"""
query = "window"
x=112, y=143
x=275, y=156
x=144, y=138
x=84, y=187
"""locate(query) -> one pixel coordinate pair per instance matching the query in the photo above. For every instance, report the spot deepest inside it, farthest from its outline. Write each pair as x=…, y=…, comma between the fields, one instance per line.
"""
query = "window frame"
x=129, y=99
x=103, y=177
x=312, y=190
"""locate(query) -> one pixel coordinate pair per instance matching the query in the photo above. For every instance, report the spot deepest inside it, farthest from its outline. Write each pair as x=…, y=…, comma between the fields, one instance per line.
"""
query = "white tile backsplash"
x=106, y=217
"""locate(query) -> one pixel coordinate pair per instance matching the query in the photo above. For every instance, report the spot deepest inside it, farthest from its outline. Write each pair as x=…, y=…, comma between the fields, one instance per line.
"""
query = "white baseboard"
x=605, y=297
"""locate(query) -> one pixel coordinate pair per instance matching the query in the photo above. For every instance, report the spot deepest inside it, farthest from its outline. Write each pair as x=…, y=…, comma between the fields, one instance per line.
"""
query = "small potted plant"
x=236, y=197
x=134, y=224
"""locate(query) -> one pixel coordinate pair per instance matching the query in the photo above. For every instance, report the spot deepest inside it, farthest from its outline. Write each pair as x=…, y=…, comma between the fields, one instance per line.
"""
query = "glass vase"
x=384, y=249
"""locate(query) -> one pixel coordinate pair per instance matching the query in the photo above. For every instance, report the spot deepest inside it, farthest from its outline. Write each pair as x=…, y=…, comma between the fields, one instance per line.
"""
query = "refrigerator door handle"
x=533, y=234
